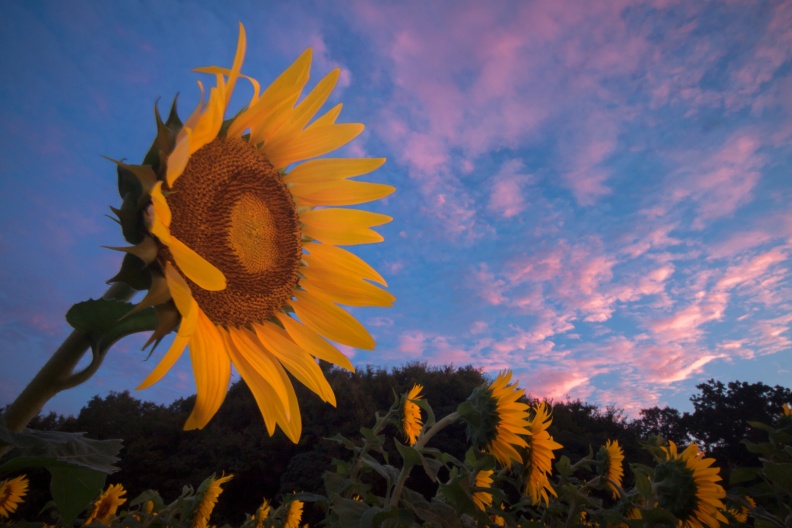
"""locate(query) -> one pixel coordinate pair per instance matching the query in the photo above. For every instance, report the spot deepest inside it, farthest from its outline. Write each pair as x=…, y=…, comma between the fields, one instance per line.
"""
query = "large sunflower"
x=538, y=459
x=241, y=246
x=688, y=487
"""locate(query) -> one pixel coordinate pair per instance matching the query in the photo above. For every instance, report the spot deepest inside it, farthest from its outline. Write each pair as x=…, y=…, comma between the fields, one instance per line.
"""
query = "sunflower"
x=537, y=461
x=496, y=419
x=294, y=514
x=106, y=505
x=786, y=410
x=483, y=499
x=210, y=490
x=238, y=231
x=411, y=415
x=688, y=487
x=12, y=493
x=262, y=513
x=611, y=458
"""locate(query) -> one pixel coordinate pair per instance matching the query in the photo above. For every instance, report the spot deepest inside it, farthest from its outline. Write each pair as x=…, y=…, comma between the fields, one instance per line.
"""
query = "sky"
x=592, y=194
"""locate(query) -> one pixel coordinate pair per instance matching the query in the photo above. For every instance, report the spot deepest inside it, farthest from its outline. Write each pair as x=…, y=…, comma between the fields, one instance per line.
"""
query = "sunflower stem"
x=58, y=373
x=422, y=440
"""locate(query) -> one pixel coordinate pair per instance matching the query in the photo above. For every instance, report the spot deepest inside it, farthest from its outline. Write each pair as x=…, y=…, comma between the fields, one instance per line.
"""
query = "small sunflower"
x=106, y=505
x=12, y=493
x=496, y=419
x=611, y=459
x=411, y=415
x=294, y=514
x=209, y=491
x=483, y=499
x=262, y=513
x=237, y=228
x=537, y=462
x=688, y=487
x=786, y=409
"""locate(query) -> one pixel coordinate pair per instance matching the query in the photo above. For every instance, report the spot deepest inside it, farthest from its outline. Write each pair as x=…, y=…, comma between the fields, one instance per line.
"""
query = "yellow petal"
x=331, y=169
x=330, y=321
x=248, y=345
x=313, y=343
x=286, y=89
x=269, y=402
x=211, y=119
x=311, y=143
x=195, y=267
x=297, y=361
x=343, y=289
x=188, y=309
x=307, y=108
x=160, y=205
x=212, y=371
x=239, y=58
x=340, y=193
x=342, y=226
x=329, y=117
x=321, y=255
x=178, y=158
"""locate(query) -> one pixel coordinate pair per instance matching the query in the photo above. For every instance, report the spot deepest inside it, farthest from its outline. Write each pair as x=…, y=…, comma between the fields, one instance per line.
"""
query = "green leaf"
x=102, y=321
x=134, y=273
x=643, y=484
x=55, y=448
x=564, y=466
x=658, y=517
x=779, y=474
x=410, y=456
x=73, y=488
x=740, y=474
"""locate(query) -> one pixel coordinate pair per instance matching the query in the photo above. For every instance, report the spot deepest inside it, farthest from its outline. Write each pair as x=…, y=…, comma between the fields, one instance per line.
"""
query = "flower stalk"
x=58, y=373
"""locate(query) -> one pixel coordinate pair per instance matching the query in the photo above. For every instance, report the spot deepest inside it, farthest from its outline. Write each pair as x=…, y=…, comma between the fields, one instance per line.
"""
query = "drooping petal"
x=212, y=371
x=330, y=321
x=248, y=345
x=195, y=267
x=297, y=361
x=269, y=402
x=314, y=343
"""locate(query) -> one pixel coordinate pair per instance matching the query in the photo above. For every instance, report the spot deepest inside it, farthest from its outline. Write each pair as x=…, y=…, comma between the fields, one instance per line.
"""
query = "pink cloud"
x=506, y=198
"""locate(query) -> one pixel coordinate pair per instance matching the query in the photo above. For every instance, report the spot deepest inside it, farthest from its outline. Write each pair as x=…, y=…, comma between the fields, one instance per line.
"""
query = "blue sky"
x=594, y=194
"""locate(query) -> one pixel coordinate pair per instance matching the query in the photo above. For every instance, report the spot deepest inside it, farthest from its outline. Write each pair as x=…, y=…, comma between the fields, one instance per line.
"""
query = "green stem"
x=422, y=440
x=58, y=373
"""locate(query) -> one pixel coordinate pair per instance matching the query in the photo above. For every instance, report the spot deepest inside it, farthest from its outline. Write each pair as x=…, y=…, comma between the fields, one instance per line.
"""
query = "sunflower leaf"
x=133, y=273
x=73, y=488
x=101, y=320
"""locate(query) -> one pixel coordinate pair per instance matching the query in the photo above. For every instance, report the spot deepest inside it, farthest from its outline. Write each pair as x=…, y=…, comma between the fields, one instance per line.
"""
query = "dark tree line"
x=158, y=454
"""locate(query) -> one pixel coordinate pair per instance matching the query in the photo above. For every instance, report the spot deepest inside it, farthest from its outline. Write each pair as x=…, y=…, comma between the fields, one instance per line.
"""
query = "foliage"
x=346, y=474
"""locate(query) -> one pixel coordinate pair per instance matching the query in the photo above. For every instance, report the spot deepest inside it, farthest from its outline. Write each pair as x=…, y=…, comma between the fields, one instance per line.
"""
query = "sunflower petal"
x=340, y=193
x=313, y=343
x=296, y=360
x=248, y=345
x=330, y=321
x=311, y=143
x=179, y=156
x=212, y=371
x=342, y=226
x=195, y=267
x=329, y=117
x=269, y=402
x=331, y=169
x=343, y=288
x=323, y=255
